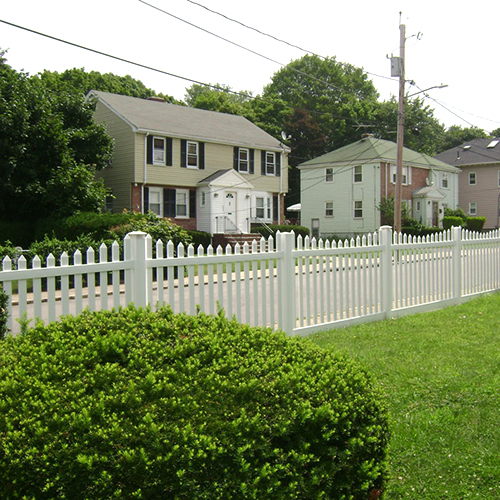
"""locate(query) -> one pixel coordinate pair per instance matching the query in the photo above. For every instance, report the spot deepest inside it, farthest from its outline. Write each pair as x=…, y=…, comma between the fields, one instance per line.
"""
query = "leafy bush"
x=136, y=404
x=284, y=228
x=4, y=301
x=457, y=212
x=475, y=223
x=20, y=232
x=452, y=221
x=200, y=238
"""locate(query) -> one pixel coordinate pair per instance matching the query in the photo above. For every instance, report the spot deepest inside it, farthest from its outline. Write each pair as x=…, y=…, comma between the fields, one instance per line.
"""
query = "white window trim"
x=260, y=207
x=191, y=155
x=354, y=209
x=327, y=209
x=406, y=172
x=203, y=198
x=268, y=163
x=159, y=191
x=445, y=179
x=177, y=204
x=354, y=174
x=240, y=161
x=475, y=179
x=327, y=174
x=472, y=205
x=155, y=161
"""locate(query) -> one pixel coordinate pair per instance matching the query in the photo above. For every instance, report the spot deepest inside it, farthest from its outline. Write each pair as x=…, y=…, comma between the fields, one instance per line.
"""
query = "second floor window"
x=270, y=163
x=192, y=154
x=472, y=178
x=358, y=173
x=158, y=151
x=243, y=160
x=329, y=175
x=405, y=177
x=444, y=181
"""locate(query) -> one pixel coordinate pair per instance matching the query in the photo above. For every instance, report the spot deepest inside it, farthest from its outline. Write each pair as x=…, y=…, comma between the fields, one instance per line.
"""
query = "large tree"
x=50, y=149
x=423, y=132
x=456, y=135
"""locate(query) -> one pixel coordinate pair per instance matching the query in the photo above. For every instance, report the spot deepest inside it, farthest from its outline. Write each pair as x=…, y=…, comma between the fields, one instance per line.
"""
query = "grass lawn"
x=440, y=373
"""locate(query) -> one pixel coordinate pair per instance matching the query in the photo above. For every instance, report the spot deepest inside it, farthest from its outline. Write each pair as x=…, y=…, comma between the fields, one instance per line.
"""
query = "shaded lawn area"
x=440, y=372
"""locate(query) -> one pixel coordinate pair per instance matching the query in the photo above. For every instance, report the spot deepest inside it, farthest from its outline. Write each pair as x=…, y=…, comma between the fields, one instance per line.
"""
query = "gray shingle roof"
x=475, y=152
x=371, y=149
x=188, y=123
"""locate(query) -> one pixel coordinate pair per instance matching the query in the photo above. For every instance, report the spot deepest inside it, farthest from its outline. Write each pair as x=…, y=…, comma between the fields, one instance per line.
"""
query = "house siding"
x=120, y=174
x=485, y=193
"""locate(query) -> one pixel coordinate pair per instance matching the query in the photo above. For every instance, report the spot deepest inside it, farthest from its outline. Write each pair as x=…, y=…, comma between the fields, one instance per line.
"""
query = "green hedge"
x=200, y=238
x=475, y=223
x=136, y=404
x=284, y=228
x=451, y=221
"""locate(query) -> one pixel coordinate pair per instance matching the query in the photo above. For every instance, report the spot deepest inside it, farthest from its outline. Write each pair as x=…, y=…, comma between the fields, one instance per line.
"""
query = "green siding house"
x=341, y=190
x=208, y=171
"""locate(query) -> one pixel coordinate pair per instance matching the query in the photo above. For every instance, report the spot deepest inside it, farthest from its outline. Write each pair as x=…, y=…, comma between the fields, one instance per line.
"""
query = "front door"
x=435, y=214
x=230, y=206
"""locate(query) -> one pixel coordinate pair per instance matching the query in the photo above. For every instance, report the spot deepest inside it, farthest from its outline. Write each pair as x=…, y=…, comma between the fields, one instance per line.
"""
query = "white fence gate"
x=298, y=288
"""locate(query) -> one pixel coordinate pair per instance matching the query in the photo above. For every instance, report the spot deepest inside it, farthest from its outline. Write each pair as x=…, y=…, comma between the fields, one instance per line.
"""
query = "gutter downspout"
x=144, y=172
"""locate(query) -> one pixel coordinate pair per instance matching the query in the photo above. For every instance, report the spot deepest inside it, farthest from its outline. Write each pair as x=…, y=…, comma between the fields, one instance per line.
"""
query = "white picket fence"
x=299, y=288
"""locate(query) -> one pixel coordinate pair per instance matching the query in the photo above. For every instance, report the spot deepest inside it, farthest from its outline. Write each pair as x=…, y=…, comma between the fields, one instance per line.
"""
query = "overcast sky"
x=457, y=45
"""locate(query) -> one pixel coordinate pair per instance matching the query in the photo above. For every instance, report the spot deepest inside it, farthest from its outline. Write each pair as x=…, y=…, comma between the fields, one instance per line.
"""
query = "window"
x=158, y=151
x=472, y=208
x=472, y=178
x=358, y=209
x=329, y=175
x=444, y=181
x=203, y=199
x=155, y=202
x=406, y=178
x=243, y=160
x=192, y=154
x=269, y=208
x=358, y=173
x=329, y=209
x=418, y=206
x=259, y=208
x=499, y=178
x=270, y=163
x=181, y=203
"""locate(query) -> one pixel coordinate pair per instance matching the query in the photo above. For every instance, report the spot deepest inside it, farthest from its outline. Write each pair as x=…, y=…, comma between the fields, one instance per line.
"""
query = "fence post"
x=286, y=282
x=456, y=233
x=386, y=269
x=137, y=282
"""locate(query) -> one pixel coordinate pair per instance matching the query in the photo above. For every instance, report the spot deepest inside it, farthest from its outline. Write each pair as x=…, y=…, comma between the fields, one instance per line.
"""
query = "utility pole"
x=401, y=131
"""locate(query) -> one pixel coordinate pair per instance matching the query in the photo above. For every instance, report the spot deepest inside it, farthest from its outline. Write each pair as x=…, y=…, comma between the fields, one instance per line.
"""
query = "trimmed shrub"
x=136, y=404
x=4, y=301
x=457, y=212
x=284, y=228
x=450, y=221
x=475, y=223
x=200, y=238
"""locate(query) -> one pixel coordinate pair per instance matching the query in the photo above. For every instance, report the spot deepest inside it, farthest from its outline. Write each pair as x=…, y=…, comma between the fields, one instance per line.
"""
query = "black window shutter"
x=201, y=155
x=168, y=202
x=192, y=203
x=278, y=164
x=252, y=161
x=275, y=208
x=263, y=163
x=146, y=200
x=183, y=153
x=169, y=152
x=236, y=153
x=150, y=149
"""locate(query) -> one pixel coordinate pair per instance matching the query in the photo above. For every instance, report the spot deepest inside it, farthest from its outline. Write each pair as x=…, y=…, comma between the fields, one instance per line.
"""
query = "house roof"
x=475, y=152
x=153, y=116
x=370, y=149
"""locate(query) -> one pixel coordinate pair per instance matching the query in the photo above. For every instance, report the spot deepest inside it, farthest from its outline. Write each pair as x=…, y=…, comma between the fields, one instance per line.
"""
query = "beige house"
x=207, y=171
x=479, y=180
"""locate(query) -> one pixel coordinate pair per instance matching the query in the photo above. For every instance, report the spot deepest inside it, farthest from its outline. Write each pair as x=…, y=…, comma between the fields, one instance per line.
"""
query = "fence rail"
x=298, y=285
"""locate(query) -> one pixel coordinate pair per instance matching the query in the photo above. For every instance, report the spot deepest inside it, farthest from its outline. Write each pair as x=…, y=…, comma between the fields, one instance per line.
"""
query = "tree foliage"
x=456, y=135
x=81, y=81
x=219, y=98
x=50, y=148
